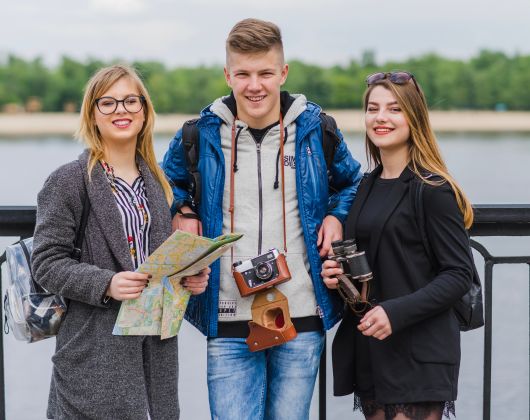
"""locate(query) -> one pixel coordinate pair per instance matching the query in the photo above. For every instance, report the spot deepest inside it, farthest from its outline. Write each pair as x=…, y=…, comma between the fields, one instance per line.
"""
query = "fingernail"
x=149, y=276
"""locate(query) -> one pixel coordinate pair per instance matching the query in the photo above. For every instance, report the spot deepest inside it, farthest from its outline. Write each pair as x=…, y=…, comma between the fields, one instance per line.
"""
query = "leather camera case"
x=271, y=323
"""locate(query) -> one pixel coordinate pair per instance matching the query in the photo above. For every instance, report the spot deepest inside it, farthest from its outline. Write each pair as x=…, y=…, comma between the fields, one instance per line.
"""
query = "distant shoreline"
x=64, y=124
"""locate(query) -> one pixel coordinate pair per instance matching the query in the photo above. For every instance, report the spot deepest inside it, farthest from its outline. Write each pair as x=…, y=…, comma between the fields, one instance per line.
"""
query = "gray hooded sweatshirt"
x=258, y=212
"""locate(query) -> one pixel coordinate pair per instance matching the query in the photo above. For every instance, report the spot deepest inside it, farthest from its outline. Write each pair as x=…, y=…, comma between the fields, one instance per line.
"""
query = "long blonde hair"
x=424, y=153
x=88, y=132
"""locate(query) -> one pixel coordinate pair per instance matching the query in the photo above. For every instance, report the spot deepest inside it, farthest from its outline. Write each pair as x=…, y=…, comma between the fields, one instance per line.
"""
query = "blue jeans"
x=272, y=384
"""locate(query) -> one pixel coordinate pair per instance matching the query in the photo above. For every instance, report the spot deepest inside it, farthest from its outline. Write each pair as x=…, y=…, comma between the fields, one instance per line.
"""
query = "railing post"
x=2, y=378
x=486, y=401
x=322, y=391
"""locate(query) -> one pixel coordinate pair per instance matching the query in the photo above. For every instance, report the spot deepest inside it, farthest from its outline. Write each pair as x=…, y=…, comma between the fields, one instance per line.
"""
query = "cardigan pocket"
x=71, y=346
x=436, y=339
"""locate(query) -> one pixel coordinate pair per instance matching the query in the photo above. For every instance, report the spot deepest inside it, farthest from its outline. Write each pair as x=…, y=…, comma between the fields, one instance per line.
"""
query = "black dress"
x=419, y=361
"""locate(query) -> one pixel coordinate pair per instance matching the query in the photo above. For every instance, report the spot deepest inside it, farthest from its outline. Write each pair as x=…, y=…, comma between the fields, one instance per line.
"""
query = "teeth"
x=121, y=123
x=383, y=130
x=255, y=98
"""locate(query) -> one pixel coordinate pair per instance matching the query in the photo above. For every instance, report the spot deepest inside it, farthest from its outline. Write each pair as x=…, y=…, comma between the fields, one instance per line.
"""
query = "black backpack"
x=469, y=309
x=190, y=139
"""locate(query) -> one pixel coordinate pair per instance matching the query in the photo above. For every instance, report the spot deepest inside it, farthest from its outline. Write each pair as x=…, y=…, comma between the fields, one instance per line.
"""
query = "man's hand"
x=330, y=231
x=197, y=284
x=186, y=224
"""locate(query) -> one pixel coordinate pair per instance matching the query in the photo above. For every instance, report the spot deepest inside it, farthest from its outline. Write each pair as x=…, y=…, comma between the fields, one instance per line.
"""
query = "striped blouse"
x=134, y=210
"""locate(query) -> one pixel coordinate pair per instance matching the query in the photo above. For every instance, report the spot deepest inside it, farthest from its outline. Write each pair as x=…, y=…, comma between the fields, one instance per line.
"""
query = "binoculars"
x=357, y=275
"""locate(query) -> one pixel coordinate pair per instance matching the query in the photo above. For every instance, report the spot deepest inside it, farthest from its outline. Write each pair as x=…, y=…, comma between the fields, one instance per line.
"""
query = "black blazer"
x=416, y=296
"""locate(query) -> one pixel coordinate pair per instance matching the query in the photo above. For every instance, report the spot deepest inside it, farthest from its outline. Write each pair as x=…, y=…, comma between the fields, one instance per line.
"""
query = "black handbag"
x=469, y=309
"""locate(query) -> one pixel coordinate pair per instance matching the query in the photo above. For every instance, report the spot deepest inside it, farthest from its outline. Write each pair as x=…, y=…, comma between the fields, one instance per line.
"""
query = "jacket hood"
x=291, y=106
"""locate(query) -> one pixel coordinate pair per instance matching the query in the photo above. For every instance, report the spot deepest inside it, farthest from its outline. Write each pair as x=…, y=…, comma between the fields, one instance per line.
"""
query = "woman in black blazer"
x=401, y=357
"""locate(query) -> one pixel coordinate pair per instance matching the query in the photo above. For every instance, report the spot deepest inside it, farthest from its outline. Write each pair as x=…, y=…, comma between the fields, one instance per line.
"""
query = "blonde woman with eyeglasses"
x=401, y=355
x=97, y=375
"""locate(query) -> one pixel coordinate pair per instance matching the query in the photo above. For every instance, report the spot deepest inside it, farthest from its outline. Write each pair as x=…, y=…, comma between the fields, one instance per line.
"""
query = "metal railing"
x=496, y=220
x=490, y=220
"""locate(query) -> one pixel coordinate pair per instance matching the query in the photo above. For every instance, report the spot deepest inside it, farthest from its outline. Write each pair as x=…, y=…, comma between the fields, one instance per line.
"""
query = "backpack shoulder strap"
x=80, y=234
x=330, y=138
x=190, y=140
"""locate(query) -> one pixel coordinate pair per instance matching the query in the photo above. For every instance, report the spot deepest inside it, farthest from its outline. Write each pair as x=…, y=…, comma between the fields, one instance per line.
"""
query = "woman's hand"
x=197, y=284
x=331, y=269
x=127, y=285
x=375, y=323
x=186, y=224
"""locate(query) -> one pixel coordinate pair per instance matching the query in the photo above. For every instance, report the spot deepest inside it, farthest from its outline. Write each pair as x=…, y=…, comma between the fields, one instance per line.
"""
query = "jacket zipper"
x=260, y=188
x=260, y=198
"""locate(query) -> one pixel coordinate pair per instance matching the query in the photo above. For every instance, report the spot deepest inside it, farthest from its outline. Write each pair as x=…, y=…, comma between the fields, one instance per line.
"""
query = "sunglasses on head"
x=396, y=77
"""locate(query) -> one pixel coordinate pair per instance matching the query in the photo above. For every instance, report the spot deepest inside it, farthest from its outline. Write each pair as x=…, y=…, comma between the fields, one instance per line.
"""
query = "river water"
x=490, y=168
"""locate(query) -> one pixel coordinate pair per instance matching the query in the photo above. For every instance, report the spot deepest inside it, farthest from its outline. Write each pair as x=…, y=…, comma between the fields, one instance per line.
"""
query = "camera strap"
x=232, y=183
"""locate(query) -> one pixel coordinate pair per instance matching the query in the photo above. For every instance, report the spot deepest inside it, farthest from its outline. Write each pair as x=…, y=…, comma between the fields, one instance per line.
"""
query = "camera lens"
x=263, y=271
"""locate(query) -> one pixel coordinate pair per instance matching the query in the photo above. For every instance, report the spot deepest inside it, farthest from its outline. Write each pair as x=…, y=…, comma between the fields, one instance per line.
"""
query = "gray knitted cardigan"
x=97, y=375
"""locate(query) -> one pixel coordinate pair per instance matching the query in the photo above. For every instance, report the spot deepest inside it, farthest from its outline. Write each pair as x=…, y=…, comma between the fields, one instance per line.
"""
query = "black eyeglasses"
x=108, y=105
x=396, y=77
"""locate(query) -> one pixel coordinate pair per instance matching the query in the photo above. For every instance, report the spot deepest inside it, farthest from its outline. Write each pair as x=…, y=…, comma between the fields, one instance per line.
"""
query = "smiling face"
x=256, y=79
x=121, y=126
x=386, y=125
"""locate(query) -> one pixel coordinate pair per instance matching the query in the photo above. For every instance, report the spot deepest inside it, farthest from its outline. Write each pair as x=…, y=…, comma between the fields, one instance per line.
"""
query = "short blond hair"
x=251, y=36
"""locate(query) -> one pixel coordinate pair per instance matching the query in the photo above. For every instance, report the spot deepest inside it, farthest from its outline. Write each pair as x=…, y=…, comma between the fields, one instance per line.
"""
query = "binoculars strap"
x=351, y=295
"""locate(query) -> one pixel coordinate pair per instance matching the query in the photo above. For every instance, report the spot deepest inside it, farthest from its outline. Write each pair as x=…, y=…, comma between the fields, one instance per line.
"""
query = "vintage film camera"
x=357, y=275
x=271, y=323
x=261, y=272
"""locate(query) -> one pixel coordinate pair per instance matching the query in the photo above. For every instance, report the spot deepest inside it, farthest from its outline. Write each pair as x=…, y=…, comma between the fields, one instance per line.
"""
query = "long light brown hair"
x=88, y=132
x=424, y=153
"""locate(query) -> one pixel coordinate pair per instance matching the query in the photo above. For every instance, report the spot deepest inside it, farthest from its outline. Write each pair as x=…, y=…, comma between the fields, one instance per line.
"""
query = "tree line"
x=489, y=80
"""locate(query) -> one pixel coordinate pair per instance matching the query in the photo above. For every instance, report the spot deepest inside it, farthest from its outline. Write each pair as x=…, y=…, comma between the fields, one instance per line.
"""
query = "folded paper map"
x=160, y=308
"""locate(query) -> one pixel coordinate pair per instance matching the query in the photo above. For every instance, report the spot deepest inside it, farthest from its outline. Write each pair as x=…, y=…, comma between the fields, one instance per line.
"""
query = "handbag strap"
x=420, y=217
x=419, y=211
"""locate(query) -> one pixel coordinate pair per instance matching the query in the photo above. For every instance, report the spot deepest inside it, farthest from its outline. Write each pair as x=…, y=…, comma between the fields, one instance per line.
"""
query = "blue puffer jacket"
x=314, y=202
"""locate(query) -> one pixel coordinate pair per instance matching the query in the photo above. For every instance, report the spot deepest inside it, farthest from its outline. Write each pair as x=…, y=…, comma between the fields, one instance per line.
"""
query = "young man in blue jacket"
x=300, y=209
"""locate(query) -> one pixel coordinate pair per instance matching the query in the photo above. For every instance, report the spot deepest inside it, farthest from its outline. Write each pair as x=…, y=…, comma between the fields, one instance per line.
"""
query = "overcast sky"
x=322, y=32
